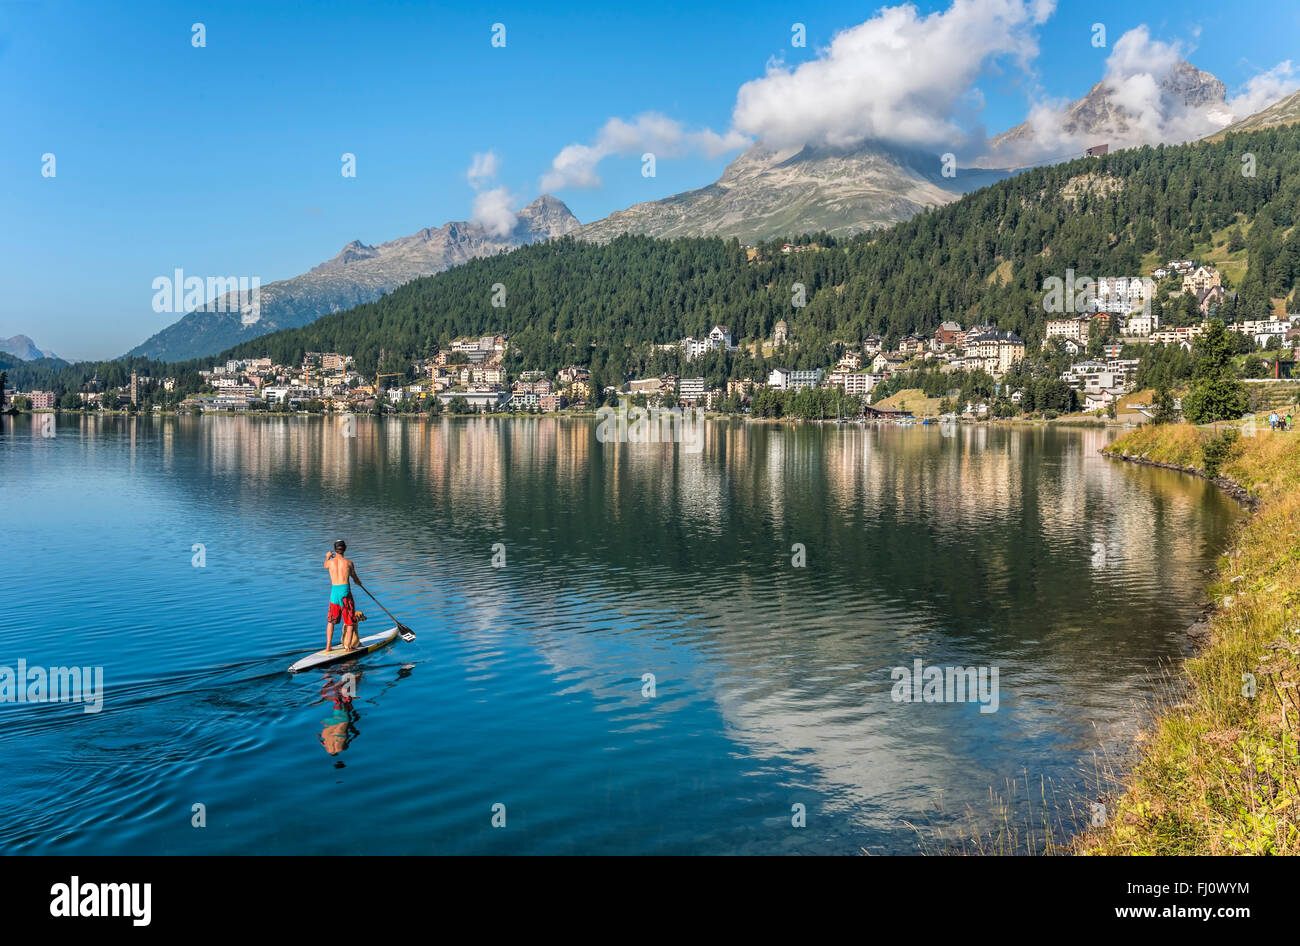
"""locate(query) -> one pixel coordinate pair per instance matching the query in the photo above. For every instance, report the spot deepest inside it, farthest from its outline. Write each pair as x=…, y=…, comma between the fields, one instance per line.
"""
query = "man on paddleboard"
x=341, y=604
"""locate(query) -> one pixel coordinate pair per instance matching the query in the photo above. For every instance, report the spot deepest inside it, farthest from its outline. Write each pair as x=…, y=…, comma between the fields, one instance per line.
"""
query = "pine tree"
x=1217, y=393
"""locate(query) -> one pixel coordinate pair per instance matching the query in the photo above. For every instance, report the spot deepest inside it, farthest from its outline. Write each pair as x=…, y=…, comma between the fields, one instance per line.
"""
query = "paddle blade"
x=405, y=633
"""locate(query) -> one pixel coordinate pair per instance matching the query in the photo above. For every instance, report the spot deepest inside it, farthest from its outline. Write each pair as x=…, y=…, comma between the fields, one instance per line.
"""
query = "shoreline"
x=1217, y=770
x=1070, y=421
x=1229, y=487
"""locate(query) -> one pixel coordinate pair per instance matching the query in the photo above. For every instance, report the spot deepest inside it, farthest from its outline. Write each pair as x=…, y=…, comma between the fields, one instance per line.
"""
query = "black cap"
x=340, y=546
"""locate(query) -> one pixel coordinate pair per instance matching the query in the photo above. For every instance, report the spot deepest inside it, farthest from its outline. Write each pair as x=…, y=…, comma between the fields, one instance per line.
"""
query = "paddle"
x=404, y=632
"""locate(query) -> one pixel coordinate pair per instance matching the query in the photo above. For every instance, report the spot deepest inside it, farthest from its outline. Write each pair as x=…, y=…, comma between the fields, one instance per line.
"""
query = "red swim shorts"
x=347, y=613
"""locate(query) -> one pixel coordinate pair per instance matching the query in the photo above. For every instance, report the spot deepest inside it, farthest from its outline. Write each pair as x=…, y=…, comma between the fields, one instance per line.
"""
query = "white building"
x=691, y=389
x=719, y=337
x=1140, y=325
x=860, y=382
x=785, y=379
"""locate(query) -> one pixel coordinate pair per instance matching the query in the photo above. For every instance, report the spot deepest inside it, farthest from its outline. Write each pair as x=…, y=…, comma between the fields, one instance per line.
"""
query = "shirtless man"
x=341, y=604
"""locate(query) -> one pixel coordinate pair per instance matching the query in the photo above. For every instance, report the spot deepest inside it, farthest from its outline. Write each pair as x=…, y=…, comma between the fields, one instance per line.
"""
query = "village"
x=1101, y=335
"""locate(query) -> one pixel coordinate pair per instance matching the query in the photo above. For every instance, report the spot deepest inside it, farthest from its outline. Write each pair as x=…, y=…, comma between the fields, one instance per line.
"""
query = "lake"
x=622, y=648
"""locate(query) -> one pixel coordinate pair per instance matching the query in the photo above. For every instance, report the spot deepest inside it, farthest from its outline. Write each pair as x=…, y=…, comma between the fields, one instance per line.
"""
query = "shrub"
x=1217, y=450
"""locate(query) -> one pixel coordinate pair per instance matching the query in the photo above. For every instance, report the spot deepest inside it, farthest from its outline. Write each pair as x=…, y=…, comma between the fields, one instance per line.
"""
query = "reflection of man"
x=339, y=729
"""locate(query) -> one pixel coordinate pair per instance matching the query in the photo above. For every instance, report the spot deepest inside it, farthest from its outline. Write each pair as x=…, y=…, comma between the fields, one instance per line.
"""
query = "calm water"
x=1017, y=549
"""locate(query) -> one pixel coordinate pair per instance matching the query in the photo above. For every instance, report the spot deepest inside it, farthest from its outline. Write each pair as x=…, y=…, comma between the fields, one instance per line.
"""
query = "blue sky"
x=225, y=160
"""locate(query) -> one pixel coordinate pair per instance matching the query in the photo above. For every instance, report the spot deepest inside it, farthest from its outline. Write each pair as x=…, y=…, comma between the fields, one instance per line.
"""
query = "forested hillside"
x=983, y=258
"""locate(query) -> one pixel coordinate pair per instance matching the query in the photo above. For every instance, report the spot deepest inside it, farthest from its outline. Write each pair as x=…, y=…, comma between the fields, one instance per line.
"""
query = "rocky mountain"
x=1283, y=112
x=767, y=193
x=359, y=273
x=1191, y=100
x=24, y=348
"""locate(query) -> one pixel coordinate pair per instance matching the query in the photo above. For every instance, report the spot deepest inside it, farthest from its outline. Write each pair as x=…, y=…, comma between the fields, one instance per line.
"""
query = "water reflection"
x=1015, y=547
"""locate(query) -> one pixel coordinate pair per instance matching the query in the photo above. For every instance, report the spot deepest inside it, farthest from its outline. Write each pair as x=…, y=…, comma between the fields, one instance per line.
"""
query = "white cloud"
x=483, y=168
x=494, y=211
x=1265, y=89
x=493, y=206
x=575, y=165
x=899, y=76
x=907, y=78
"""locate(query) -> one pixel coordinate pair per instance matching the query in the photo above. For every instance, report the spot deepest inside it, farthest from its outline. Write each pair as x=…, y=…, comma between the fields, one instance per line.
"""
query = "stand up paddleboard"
x=323, y=657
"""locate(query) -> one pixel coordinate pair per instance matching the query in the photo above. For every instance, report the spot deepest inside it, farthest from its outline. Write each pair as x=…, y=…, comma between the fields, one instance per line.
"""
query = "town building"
x=1139, y=326
x=948, y=333
x=1203, y=277
x=1208, y=300
x=719, y=338
x=690, y=391
x=479, y=399
x=860, y=382
x=742, y=387
x=786, y=379
x=997, y=351
x=1123, y=294
x=912, y=344
x=884, y=363
x=1073, y=327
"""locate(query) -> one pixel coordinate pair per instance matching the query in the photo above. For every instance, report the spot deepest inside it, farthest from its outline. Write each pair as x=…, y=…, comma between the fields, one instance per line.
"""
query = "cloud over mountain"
x=899, y=77
x=650, y=132
x=493, y=206
x=1149, y=94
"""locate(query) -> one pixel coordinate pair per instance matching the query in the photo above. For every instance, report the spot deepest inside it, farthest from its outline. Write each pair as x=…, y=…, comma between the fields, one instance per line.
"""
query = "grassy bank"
x=1218, y=772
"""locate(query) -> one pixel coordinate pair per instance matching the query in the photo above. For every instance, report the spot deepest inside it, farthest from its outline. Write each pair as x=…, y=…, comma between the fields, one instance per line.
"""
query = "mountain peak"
x=356, y=250
x=1191, y=102
x=771, y=192
x=549, y=215
x=23, y=347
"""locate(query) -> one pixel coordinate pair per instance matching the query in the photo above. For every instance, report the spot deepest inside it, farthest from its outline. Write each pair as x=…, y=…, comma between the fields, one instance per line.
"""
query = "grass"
x=1001, y=275
x=1215, y=253
x=1028, y=817
x=914, y=400
x=1219, y=772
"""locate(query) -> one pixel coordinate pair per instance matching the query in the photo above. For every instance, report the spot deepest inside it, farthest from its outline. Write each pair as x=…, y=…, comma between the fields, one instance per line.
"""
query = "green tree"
x=1164, y=412
x=1217, y=393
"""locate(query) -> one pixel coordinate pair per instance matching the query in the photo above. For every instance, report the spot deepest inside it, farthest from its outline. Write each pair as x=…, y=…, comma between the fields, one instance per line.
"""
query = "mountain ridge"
x=765, y=193
x=1285, y=111
x=358, y=273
